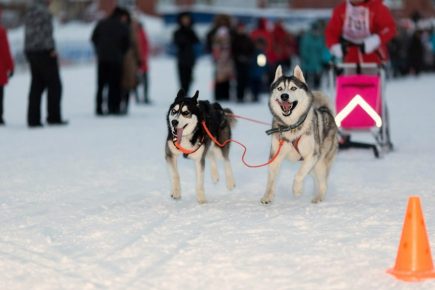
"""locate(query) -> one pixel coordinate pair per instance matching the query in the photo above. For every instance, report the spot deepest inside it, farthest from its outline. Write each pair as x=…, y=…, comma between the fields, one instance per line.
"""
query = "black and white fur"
x=299, y=113
x=184, y=119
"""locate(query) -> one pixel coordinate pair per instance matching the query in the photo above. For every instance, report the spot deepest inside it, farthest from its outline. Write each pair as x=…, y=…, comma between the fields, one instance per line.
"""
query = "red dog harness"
x=295, y=144
x=184, y=150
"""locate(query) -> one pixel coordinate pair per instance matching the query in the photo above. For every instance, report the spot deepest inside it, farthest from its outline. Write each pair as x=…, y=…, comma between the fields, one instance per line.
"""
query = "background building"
x=401, y=8
x=87, y=10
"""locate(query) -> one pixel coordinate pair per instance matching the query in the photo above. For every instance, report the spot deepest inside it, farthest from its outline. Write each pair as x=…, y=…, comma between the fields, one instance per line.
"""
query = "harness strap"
x=295, y=144
x=185, y=151
x=272, y=158
x=292, y=127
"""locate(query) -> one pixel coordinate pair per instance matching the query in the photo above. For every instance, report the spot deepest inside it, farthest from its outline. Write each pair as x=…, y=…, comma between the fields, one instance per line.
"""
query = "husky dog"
x=186, y=136
x=304, y=122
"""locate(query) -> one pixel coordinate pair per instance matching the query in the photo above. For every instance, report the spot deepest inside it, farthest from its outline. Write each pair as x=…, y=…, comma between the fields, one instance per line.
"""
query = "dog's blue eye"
x=279, y=89
x=293, y=88
x=173, y=112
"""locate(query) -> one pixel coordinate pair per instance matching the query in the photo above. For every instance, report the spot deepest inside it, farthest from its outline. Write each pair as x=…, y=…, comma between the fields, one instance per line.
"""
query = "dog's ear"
x=181, y=94
x=297, y=72
x=278, y=73
x=195, y=97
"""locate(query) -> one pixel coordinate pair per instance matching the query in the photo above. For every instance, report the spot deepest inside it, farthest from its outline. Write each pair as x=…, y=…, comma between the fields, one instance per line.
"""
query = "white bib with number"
x=356, y=24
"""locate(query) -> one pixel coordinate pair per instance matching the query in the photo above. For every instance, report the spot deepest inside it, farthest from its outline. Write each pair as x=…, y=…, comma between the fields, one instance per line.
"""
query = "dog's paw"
x=176, y=196
x=231, y=185
x=298, y=189
x=215, y=179
x=201, y=200
x=200, y=196
x=265, y=200
x=317, y=199
x=214, y=175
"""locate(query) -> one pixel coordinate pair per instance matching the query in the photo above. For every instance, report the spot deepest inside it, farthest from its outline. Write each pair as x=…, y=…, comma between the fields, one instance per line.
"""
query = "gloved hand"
x=337, y=50
x=371, y=43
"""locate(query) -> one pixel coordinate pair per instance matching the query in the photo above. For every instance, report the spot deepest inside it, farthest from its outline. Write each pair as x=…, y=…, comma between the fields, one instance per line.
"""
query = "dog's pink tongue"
x=179, y=134
x=286, y=105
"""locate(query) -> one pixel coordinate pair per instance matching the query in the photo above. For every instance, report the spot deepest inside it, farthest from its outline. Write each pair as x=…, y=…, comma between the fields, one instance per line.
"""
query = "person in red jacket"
x=283, y=46
x=264, y=35
x=144, y=51
x=6, y=67
x=366, y=23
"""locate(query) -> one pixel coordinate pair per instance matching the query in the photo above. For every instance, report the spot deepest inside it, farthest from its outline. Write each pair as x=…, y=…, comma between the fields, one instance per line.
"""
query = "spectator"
x=263, y=34
x=185, y=40
x=398, y=52
x=6, y=67
x=416, y=53
x=432, y=42
x=221, y=87
x=311, y=55
x=259, y=70
x=144, y=51
x=111, y=40
x=221, y=20
x=130, y=65
x=41, y=54
x=224, y=71
x=243, y=53
x=367, y=23
x=394, y=48
x=282, y=46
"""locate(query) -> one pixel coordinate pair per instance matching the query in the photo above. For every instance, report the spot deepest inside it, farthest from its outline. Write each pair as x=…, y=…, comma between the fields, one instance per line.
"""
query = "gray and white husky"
x=305, y=122
x=187, y=137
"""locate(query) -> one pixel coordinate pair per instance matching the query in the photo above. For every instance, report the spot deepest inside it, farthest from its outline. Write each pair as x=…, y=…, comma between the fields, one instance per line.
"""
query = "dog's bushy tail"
x=230, y=118
x=321, y=100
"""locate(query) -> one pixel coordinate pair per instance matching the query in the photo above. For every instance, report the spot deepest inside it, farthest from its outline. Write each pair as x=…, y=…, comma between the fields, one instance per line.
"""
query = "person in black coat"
x=415, y=53
x=40, y=50
x=243, y=53
x=185, y=40
x=111, y=40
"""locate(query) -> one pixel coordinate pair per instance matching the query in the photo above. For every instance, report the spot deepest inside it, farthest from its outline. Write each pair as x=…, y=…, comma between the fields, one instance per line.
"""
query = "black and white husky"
x=186, y=136
x=305, y=122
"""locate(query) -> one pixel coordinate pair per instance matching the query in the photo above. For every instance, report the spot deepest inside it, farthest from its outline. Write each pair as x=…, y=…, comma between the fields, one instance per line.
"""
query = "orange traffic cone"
x=414, y=258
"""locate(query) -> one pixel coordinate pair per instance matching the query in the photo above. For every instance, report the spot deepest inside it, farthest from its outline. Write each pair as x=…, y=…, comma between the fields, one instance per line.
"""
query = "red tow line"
x=281, y=143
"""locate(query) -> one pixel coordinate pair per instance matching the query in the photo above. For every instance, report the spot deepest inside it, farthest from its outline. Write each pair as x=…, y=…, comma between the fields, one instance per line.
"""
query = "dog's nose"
x=174, y=123
x=285, y=97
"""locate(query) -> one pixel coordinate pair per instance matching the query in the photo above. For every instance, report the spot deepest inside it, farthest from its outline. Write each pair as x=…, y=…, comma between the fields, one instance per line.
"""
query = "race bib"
x=356, y=24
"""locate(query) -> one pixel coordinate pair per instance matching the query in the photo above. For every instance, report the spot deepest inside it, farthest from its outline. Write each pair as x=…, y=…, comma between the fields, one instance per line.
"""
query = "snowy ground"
x=87, y=206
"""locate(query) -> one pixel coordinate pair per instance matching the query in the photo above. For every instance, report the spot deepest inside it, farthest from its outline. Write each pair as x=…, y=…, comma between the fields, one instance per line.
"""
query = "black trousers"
x=185, y=76
x=109, y=75
x=145, y=87
x=143, y=81
x=222, y=91
x=125, y=101
x=313, y=79
x=1, y=102
x=44, y=69
x=256, y=84
x=242, y=71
